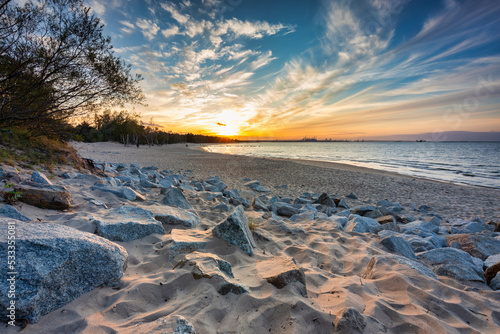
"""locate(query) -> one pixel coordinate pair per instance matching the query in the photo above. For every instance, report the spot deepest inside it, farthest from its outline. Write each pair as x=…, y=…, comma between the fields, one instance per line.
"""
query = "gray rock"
x=183, y=244
x=171, y=324
x=373, y=214
x=122, y=192
x=452, y=262
x=8, y=211
x=285, y=227
x=387, y=227
x=325, y=200
x=430, y=225
x=234, y=229
x=223, y=207
x=281, y=271
x=175, y=197
x=478, y=245
x=398, y=245
x=255, y=185
x=285, y=209
x=206, y=265
x=209, y=195
x=176, y=216
x=146, y=183
x=304, y=216
x=352, y=196
x=343, y=204
x=491, y=260
x=260, y=205
x=127, y=223
x=166, y=183
x=495, y=282
x=40, y=178
x=135, y=165
x=44, y=196
x=67, y=175
x=97, y=202
x=349, y=320
x=88, y=177
x=150, y=168
x=362, y=210
x=459, y=226
x=361, y=224
x=56, y=264
x=380, y=264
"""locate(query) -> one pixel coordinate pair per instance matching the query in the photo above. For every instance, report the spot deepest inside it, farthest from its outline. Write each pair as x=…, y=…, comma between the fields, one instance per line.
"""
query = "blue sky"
x=332, y=69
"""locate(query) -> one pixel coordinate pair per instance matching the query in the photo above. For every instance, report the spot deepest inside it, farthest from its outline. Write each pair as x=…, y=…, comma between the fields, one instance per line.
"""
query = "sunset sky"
x=332, y=69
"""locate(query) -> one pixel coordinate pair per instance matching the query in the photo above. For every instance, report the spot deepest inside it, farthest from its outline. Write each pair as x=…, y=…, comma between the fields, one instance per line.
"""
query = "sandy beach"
x=331, y=276
x=450, y=200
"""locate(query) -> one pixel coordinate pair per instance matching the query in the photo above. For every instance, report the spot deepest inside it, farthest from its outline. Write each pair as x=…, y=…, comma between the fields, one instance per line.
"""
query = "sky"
x=286, y=69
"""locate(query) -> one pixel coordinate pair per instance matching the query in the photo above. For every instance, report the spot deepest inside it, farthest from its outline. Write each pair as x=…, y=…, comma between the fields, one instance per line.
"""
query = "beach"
x=298, y=262
x=450, y=200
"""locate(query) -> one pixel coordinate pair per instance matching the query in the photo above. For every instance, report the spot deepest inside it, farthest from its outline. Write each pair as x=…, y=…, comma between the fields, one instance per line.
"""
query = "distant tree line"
x=127, y=128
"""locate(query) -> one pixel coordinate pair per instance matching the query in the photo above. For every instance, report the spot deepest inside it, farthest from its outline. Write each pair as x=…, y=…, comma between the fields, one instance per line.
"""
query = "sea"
x=471, y=163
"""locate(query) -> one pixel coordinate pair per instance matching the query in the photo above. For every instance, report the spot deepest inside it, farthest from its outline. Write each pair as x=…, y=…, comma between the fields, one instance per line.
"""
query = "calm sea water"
x=473, y=163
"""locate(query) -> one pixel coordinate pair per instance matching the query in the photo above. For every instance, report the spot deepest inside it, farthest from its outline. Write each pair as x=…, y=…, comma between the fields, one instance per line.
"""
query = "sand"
x=397, y=299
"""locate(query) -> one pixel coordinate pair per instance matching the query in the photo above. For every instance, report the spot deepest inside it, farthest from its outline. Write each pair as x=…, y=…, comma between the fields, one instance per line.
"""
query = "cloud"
x=172, y=31
x=263, y=60
x=97, y=7
x=149, y=29
x=176, y=15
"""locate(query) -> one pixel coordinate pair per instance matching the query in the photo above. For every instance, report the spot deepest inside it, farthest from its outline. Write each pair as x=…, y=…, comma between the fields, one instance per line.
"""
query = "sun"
x=228, y=124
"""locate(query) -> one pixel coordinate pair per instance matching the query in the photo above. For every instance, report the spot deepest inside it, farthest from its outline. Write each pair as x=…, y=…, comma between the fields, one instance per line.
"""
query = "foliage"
x=18, y=145
x=56, y=63
x=10, y=195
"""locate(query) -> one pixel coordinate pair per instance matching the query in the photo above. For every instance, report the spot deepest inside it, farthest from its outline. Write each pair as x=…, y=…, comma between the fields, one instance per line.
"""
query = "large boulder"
x=175, y=197
x=234, y=229
x=452, y=262
x=8, y=211
x=478, y=245
x=325, y=200
x=285, y=209
x=44, y=196
x=54, y=264
x=127, y=223
x=176, y=216
x=281, y=271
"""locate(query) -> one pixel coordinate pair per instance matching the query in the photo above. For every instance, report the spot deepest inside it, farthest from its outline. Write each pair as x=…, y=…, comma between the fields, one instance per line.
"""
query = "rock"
x=67, y=175
x=146, y=183
x=122, y=192
x=387, y=227
x=459, y=226
x=176, y=216
x=349, y=320
x=398, y=245
x=234, y=229
x=215, y=184
x=430, y=225
x=212, y=267
x=325, y=200
x=285, y=209
x=127, y=223
x=281, y=271
x=97, y=202
x=40, y=178
x=385, y=219
x=56, y=264
x=495, y=282
x=8, y=211
x=184, y=243
x=491, y=260
x=88, y=177
x=258, y=204
x=175, y=197
x=361, y=224
x=352, y=196
x=223, y=207
x=380, y=264
x=206, y=265
x=453, y=263
x=255, y=185
x=44, y=196
x=285, y=227
x=362, y=210
x=171, y=324
x=304, y=216
x=343, y=204
x=208, y=195
x=373, y=214
x=491, y=272
x=477, y=245
x=149, y=168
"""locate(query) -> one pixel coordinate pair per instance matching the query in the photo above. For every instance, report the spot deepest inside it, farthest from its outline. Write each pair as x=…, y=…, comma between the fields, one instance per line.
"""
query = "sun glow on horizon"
x=228, y=124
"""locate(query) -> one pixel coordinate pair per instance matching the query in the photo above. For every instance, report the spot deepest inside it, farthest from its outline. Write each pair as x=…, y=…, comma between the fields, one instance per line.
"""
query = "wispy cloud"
x=149, y=29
